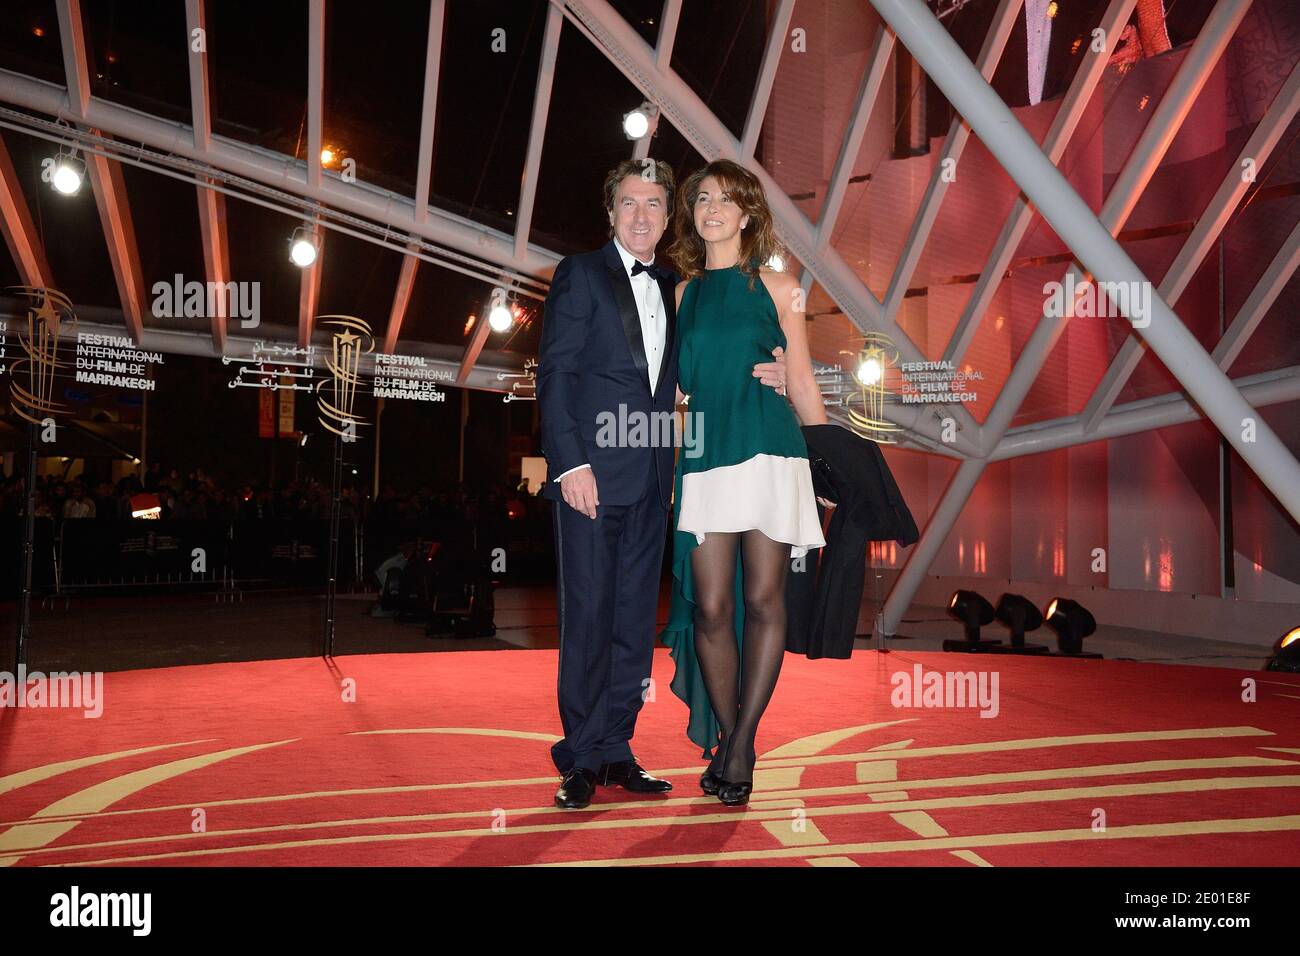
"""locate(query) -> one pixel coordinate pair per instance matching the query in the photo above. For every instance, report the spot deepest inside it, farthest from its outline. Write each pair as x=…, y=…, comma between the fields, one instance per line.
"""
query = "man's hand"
x=773, y=373
x=579, y=491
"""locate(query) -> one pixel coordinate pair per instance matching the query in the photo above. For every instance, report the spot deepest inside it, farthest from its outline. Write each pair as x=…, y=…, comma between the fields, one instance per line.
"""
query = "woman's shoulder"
x=781, y=286
x=777, y=281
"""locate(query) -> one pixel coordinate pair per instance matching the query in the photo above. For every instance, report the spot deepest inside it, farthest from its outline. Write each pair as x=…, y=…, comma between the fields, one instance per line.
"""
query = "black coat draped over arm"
x=822, y=600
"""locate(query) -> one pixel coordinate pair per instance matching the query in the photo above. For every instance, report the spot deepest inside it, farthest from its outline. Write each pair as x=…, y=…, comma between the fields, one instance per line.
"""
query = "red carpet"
x=443, y=759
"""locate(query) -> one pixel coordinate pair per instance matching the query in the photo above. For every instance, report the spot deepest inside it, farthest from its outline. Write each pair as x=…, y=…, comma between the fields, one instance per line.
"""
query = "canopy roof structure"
x=454, y=148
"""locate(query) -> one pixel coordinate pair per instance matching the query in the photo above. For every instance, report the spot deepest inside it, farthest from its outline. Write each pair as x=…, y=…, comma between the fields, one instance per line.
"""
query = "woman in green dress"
x=743, y=502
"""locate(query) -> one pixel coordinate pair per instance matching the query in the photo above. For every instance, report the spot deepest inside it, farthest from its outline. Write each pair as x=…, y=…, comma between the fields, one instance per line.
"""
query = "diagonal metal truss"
x=1092, y=240
x=1234, y=187
x=105, y=177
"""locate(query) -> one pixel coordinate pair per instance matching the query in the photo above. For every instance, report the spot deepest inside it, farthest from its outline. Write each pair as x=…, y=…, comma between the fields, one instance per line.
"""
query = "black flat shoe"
x=733, y=793
x=577, y=789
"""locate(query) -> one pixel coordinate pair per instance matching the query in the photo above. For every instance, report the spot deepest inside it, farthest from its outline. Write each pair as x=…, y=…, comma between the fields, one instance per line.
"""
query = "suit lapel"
x=627, y=310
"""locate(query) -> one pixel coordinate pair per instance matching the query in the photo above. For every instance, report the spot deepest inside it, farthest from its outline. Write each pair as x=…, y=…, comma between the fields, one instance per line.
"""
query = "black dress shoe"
x=576, y=790
x=629, y=775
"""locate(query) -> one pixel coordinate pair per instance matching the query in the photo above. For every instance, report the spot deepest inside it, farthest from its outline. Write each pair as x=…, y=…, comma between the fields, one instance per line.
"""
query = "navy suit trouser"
x=607, y=584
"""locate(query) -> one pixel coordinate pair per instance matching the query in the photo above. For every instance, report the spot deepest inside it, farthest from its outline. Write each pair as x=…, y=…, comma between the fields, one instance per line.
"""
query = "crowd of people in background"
x=463, y=535
x=198, y=495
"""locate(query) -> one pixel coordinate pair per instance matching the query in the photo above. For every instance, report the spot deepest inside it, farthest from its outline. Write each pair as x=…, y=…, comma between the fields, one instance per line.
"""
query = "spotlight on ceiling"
x=974, y=612
x=640, y=122
x=1286, y=656
x=68, y=174
x=500, y=318
x=1072, y=623
x=303, y=247
x=1020, y=614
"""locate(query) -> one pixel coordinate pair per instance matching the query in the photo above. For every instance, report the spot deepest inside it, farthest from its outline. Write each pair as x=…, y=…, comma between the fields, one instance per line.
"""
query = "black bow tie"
x=655, y=272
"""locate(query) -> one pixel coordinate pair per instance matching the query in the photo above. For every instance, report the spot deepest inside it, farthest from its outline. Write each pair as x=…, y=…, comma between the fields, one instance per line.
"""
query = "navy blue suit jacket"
x=592, y=361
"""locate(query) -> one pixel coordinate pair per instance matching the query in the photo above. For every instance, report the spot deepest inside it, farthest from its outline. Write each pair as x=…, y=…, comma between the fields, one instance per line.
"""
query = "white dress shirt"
x=654, y=324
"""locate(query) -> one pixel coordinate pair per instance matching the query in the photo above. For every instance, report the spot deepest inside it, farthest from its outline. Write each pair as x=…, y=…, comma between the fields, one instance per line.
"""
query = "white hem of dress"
x=770, y=493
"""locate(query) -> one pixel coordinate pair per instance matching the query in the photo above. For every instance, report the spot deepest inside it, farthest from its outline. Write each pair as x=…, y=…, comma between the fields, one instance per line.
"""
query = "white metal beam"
x=315, y=89
x=105, y=176
x=283, y=172
x=667, y=33
x=537, y=130
x=1198, y=245
x=1262, y=297
x=780, y=26
x=18, y=227
x=872, y=81
x=309, y=291
x=1161, y=411
x=1094, y=243
x=423, y=169
x=1065, y=122
x=401, y=302
x=478, y=338
x=429, y=108
x=212, y=204
x=995, y=41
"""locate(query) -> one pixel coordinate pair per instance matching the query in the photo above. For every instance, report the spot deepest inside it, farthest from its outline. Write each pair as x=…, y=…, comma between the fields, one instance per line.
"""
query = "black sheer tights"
x=739, y=690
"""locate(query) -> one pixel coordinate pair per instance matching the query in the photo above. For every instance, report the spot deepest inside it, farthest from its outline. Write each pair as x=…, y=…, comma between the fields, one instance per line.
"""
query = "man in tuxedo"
x=608, y=347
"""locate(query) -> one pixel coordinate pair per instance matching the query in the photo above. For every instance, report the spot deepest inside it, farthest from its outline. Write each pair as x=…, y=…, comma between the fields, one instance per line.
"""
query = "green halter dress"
x=743, y=463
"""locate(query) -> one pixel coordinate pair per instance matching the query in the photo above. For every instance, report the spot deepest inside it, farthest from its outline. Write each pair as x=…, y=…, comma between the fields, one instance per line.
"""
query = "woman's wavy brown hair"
x=758, y=242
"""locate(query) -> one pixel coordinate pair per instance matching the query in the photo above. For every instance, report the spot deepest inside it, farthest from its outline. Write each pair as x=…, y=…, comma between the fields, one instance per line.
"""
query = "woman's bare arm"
x=800, y=385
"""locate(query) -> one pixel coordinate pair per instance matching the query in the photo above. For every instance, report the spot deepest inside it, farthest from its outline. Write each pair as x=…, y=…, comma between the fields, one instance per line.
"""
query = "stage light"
x=1071, y=622
x=1053, y=9
x=974, y=612
x=69, y=173
x=636, y=123
x=303, y=247
x=500, y=318
x=870, y=372
x=1286, y=656
x=776, y=263
x=329, y=155
x=1020, y=614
